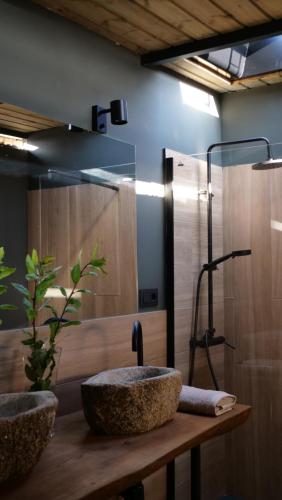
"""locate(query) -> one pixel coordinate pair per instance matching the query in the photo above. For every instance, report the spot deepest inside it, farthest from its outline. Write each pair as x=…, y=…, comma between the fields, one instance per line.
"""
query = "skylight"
x=249, y=59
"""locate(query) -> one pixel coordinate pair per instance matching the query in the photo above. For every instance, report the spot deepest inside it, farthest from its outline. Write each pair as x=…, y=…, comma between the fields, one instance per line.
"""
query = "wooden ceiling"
x=145, y=26
x=13, y=118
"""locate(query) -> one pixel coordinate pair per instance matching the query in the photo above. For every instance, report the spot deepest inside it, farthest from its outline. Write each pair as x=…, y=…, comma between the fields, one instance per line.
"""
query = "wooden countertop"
x=78, y=465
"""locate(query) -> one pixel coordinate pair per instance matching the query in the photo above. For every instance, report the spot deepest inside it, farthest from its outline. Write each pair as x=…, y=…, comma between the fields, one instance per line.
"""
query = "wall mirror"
x=64, y=189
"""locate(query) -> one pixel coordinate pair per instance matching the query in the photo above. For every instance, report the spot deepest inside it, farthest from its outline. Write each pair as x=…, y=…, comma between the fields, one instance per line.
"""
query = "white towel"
x=205, y=402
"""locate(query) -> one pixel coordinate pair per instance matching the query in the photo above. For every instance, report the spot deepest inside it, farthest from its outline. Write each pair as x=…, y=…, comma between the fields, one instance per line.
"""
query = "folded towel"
x=204, y=402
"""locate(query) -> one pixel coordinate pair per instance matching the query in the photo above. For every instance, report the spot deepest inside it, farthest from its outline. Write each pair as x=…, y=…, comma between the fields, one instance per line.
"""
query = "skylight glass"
x=249, y=59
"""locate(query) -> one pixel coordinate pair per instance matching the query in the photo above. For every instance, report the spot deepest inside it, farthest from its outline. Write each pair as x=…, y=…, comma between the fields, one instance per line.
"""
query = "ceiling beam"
x=220, y=41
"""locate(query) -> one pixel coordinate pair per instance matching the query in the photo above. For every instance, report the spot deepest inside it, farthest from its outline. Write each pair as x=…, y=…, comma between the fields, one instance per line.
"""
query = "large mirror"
x=62, y=190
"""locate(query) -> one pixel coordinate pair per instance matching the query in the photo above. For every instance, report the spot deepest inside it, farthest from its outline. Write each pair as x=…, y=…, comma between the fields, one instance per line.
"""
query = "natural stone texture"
x=131, y=400
x=26, y=421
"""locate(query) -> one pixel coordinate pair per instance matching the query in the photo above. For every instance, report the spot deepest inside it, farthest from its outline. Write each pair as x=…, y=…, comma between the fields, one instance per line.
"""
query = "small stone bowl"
x=131, y=400
x=26, y=422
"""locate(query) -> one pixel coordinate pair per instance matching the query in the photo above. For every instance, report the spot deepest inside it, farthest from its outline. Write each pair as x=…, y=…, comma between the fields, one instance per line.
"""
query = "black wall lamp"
x=118, y=110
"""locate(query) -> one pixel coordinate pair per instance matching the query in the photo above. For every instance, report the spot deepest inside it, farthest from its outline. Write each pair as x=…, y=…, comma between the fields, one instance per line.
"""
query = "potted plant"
x=41, y=275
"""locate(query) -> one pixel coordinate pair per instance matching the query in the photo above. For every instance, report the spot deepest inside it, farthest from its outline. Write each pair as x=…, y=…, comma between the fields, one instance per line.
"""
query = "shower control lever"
x=229, y=345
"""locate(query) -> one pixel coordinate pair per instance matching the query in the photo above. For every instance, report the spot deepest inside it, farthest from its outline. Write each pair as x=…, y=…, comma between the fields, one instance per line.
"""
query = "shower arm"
x=211, y=329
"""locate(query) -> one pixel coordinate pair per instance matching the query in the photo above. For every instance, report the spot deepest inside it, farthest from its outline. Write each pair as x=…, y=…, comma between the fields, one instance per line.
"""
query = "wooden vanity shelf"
x=78, y=465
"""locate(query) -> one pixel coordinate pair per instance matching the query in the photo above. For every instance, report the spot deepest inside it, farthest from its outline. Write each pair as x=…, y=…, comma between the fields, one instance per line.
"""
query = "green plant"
x=41, y=276
x=5, y=271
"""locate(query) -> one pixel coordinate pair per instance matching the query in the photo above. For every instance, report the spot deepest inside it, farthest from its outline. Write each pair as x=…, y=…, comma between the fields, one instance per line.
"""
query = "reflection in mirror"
x=64, y=189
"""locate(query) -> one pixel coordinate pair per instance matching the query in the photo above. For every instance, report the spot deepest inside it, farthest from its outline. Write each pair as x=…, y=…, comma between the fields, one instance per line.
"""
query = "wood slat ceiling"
x=18, y=119
x=144, y=26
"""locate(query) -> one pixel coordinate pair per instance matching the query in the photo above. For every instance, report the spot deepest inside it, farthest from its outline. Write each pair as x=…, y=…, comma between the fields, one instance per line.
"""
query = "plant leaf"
x=2, y=254
x=71, y=309
x=31, y=277
x=52, y=308
x=34, y=257
x=47, y=260
x=94, y=252
x=30, y=373
x=27, y=303
x=79, y=257
x=28, y=342
x=57, y=269
x=75, y=302
x=90, y=273
x=3, y=289
x=22, y=289
x=84, y=290
x=7, y=307
x=71, y=323
x=98, y=263
x=75, y=274
x=6, y=271
x=30, y=267
x=31, y=314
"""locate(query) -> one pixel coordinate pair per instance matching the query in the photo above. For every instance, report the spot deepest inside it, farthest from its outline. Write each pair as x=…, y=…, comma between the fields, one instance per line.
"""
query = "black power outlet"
x=148, y=297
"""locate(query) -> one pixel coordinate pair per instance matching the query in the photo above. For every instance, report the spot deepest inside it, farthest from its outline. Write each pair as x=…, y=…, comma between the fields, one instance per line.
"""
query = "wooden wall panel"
x=95, y=345
x=253, y=323
x=64, y=220
x=190, y=252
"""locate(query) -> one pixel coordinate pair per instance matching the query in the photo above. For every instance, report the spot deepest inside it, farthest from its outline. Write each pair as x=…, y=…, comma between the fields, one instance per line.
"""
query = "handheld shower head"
x=236, y=253
x=241, y=253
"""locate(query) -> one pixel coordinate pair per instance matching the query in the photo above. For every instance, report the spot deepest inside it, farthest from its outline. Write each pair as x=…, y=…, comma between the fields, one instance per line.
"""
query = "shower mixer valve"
x=208, y=340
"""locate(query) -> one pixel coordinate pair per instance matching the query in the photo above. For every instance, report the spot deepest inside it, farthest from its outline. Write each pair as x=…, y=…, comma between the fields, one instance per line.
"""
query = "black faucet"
x=137, y=341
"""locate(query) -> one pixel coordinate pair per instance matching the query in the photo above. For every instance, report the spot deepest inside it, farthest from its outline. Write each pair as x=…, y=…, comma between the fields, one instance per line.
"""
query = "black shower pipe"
x=209, y=214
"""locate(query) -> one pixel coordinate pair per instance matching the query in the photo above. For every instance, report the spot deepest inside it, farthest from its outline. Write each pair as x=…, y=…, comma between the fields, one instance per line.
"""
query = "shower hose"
x=194, y=340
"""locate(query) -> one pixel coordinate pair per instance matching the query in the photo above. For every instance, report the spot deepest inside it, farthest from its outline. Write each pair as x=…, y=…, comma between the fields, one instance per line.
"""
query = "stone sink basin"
x=26, y=422
x=131, y=400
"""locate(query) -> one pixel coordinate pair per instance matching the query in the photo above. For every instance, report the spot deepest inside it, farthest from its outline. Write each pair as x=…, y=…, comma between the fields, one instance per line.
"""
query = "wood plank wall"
x=253, y=323
x=64, y=220
x=96, y=345
x=190, y=252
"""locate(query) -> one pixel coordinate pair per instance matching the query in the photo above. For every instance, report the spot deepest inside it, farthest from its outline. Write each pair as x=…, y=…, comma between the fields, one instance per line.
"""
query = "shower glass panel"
x=247, y=214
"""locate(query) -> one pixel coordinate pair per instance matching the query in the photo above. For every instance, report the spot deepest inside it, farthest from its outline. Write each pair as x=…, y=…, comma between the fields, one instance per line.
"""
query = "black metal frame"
x=169, y=292
x=220, y=41
x=169, y=258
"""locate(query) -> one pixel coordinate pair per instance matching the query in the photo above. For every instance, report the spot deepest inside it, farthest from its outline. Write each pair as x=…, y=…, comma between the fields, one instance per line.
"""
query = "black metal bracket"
x=135, y=492
x=99, y=119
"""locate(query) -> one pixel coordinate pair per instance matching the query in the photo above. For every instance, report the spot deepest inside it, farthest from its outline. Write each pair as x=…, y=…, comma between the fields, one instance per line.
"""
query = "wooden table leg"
x=196, y=473
x=136, y=492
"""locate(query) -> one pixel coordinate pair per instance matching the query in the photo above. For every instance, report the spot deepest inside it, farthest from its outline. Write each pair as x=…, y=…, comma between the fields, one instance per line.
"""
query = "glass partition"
x=247, y=305
x=64, y=190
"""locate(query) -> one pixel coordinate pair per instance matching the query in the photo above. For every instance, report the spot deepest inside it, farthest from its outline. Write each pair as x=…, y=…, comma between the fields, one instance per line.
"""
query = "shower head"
x=241, y=253
x=236, y=253
x=267, y=164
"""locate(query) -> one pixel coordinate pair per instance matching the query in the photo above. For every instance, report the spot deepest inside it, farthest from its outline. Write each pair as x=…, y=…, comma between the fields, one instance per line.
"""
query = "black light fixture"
x=118, y=110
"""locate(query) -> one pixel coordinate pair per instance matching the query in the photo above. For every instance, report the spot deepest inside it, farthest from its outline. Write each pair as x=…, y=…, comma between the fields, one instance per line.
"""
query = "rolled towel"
x=205, y=402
